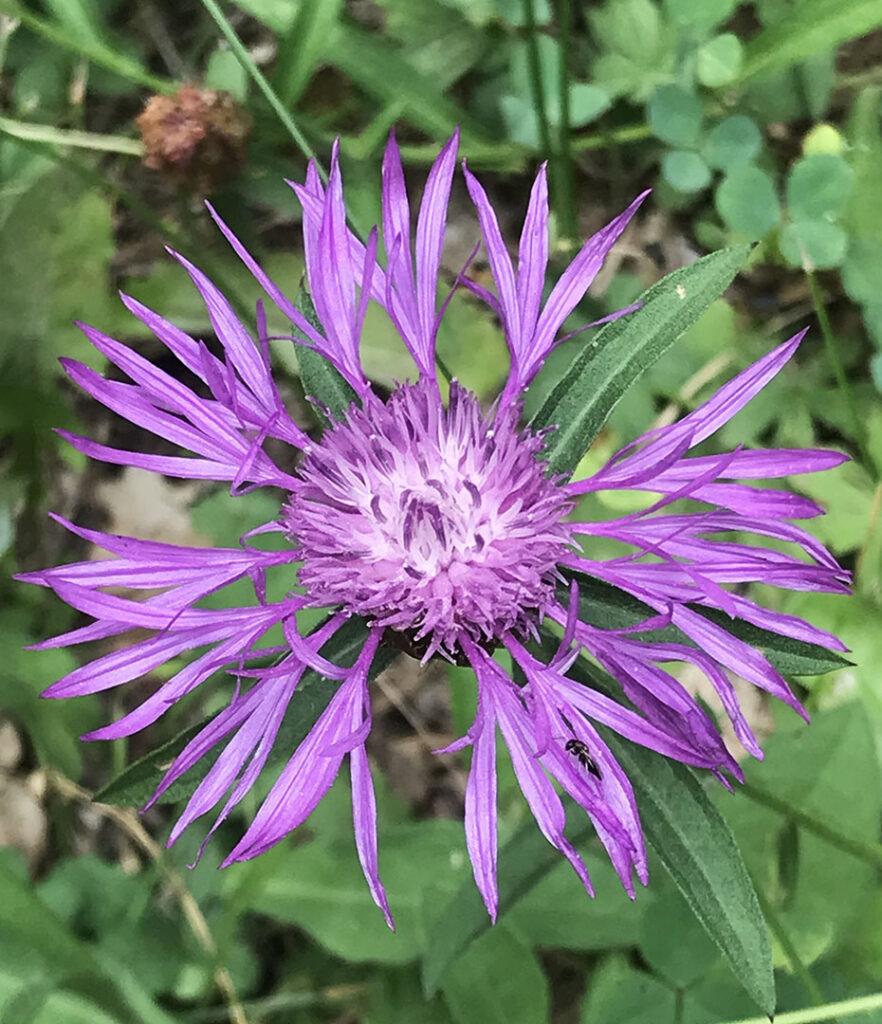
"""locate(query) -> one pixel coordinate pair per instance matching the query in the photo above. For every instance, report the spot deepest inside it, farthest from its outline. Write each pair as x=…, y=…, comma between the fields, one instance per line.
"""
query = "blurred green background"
x=752, y=121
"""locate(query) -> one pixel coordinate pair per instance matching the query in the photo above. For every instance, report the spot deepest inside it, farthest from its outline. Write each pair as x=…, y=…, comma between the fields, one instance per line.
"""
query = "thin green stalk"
x=776, y=926
x=869, y=853
x=245, y=59
x=816, y=1014
x=599, y=140
x=536, y=84
x=78, y=140
x=97, y=53
x=860, y=434
x=565, y=197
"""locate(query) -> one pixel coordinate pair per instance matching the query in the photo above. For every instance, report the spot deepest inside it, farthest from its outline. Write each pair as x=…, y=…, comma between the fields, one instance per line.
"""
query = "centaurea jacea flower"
x=440, y=526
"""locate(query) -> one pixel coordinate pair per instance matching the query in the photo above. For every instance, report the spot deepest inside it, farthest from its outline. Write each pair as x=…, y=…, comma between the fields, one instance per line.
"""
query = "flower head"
x=440, y=529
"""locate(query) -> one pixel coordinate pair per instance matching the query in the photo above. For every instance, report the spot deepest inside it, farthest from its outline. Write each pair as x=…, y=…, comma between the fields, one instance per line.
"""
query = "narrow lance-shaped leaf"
x=610, y=363
x=606, y=607
x=698, y=850
x=690, y=837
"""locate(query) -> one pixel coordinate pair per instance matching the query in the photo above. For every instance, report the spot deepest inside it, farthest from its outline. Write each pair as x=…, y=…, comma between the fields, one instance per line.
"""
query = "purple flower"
x=441, y=528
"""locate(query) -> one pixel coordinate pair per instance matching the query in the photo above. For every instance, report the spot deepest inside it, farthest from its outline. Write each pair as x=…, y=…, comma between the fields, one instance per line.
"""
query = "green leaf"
x=719, y=61
x=555, y=913
x=698, y=850
x=606, y=607
x=675, y=116
x=138, y=782
x=303, y=46
x=702, y=17
x=818, y=187
x=684, y=962
x=500, y=981
x=864, y=215
x=620, y=994
x=621, y=351
x=686, y=830
x=522, y=862
x=318, y=885
x=817, y=244
x=685, y=171
x=321, y=381
x=812, y=26
x=735, y=140
x=384, y=72
x=862, y=272
x=747, y=202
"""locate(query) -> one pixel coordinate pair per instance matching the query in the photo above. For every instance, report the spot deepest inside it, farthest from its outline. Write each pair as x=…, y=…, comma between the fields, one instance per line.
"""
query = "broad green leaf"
x=319, y=886
x=828, y=770
x=607, y=366
x=685, y=171
x=556, y=914
x=747, y=201
x=499, y=982
x=719, y=60
x=684, y=962
x=812, y=26
x=735, y=140
x=819, y=186
x=864, y=215
x=138, y=782
x=523, y=862
x=675, y=116
x=620, y=994
x=396, y=996
x=817, y=244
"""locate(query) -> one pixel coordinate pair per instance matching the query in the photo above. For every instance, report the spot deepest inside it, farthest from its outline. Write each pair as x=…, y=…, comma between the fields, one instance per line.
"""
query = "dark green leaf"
x=138, y=782
x=606, y=607
x=691, y=838
x=500, y=981
x=321, y=381
x=697, y=848
x=619, y=354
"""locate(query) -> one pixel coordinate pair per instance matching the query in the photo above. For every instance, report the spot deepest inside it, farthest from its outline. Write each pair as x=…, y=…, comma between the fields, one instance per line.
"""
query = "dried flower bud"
x=197, y=137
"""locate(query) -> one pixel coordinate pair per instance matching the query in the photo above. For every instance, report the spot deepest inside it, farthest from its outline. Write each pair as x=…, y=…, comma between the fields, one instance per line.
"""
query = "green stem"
x=860, y=435
x=78, y=140
x=565, y=199
x=599, y=140
x=869, y=853
x=97, y=53
x=816, y=1014
x=536, y=84
x=247, y=62
x=776, y=926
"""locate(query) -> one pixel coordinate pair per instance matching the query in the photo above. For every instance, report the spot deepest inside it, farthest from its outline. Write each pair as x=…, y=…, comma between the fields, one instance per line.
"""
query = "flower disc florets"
x=437, y=523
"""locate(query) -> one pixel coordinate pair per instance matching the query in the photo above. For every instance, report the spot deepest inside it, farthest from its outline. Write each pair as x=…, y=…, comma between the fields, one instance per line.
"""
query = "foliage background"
x=753, y=122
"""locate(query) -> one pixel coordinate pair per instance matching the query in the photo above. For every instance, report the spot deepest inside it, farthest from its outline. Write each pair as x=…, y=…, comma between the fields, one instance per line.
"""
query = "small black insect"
x=580, y=751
